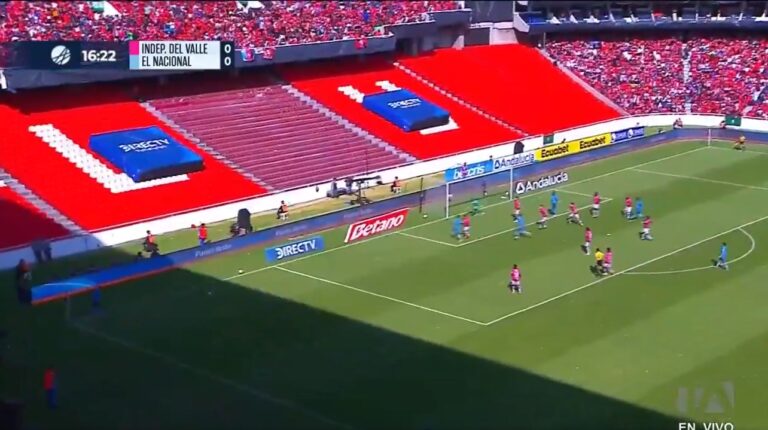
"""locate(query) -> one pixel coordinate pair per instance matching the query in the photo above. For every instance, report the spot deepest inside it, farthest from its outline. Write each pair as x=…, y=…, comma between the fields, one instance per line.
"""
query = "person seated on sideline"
x=139, y=256
x=282, y=211
x=678, y=123
x=397, y=186
x=150, y=243
x=23, y=280
x=739, y=145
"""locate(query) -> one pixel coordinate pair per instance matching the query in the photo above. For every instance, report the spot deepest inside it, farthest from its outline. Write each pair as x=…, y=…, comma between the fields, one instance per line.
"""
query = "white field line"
x=697, y=178
x=575, y=192
x=454, y=245
x=527, y=225
x=439, y=242
x=744, y=152
x=360, y=290
x=679, y=154
x=209, y=375
x=629, y=269
x=751, y=249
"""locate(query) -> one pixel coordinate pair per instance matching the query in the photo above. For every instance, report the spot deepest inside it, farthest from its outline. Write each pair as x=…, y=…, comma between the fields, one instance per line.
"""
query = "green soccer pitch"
x=413, y=329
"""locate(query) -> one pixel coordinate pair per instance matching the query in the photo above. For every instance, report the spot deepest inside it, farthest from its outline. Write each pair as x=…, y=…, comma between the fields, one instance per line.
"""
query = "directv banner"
x=468, y=171
x=294, y=249
x=627, y=134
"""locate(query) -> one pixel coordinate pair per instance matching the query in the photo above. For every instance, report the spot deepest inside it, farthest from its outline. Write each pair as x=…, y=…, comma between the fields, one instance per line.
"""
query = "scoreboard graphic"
x=132, y=55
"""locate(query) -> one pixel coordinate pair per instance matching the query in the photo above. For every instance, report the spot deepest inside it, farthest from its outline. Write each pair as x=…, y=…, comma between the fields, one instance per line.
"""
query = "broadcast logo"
x=60, y=55
x=377, y=225
x=523, y=187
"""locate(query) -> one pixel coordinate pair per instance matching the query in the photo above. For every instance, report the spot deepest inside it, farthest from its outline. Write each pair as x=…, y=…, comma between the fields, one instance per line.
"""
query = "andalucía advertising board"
x=523, y=187
x=513, y=161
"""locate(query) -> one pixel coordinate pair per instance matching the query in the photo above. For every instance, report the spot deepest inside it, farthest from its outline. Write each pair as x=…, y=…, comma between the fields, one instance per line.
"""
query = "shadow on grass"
x=184, y=350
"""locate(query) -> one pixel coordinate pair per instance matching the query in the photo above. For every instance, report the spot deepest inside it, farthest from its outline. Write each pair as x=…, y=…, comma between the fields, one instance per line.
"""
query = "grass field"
x=415, y=330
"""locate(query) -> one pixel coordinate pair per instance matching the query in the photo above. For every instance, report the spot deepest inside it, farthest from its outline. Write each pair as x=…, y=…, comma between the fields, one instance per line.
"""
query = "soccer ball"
x=424, y=216
x=240, y=271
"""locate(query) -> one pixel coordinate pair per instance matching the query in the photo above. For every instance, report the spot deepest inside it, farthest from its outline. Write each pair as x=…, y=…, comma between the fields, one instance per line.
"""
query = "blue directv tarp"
x=406, y=110
x=145, y=153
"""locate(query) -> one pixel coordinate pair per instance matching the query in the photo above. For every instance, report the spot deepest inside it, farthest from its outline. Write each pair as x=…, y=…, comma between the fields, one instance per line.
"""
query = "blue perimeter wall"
x=436, y=195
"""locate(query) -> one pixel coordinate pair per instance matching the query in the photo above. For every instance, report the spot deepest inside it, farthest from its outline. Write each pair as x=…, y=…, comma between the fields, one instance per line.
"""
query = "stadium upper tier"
x=726, y=75
x=272, y=24
x=516, y=84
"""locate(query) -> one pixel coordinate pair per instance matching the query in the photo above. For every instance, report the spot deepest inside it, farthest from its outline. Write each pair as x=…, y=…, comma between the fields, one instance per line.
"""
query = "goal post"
x=488, y=188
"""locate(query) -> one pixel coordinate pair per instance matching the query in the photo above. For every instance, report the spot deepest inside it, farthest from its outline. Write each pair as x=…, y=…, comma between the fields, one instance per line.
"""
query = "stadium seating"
x=641, y=78
x=275, y=136
x=340, y=86
x=709, y=74
x=514, y=83
x=24, y=223
x=727, y=74
x=44, y=146
x=275, y=23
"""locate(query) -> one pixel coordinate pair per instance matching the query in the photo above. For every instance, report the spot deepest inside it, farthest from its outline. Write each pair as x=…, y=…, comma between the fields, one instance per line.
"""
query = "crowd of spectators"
x=249, y=24
x=639, y=76
x=726, y=75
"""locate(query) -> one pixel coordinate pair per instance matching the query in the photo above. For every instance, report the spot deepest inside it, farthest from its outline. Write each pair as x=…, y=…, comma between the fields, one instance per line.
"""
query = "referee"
x=599, y=267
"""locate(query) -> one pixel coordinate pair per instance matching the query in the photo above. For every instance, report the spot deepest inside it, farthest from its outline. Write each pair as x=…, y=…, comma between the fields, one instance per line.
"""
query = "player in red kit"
x=516, y=205
x=543, y=217
x=646, y=233
x=465, y=222
x=608, y=262
x=595, y=210
x=587, y=247
x=627, y=207
x=573, y=214
x=514, y=280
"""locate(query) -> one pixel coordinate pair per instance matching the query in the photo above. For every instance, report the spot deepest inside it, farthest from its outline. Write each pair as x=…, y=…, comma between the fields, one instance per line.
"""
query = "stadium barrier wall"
x=464, y=190
x=227, y=210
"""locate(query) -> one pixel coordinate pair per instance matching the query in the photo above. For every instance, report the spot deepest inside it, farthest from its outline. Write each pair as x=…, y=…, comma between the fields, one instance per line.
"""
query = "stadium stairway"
x=529, y=92
x=27, y=218
x=279, y=135
x=341, y=85
x=44, y=145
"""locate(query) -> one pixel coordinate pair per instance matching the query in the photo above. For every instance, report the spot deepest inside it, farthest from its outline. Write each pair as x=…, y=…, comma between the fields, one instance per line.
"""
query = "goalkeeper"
x=739, y=145
x=476, y=208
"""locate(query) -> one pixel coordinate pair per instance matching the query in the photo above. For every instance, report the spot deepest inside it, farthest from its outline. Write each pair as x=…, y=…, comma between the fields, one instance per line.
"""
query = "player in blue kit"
x=722, y=260
x=639, y=209
x=553, y=201
x=457, y=233
x=520, y=230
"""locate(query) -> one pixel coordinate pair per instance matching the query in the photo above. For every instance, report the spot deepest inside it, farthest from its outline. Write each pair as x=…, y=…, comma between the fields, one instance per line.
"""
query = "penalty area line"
x=414, y=227
x=527, y=225
x=381, y=296
x=751, y=249
x=625, y=271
